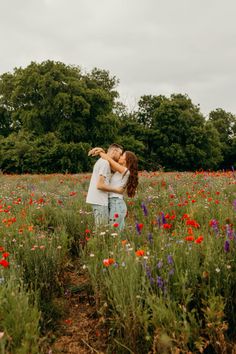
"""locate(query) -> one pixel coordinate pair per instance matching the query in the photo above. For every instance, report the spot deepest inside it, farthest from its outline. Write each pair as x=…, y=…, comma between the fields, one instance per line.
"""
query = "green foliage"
x=5, y=122
x=169, y=287
x=225, y=124
x=19, y=319
x=166, y=284
x=177, y=135
x=22, y=152
x=52, y=113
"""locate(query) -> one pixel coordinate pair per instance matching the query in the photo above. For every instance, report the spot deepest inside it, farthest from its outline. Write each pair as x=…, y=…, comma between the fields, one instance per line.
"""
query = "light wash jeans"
x=117, y=206
x=101, y=214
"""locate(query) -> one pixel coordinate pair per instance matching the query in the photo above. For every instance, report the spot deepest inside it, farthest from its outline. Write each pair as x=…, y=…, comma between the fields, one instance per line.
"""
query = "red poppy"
x=108, y=261
x=189, y=238
x=167, y=226
x=192, y=223
x=4, y=263
x=140, y=253
x=185, y=216
x=140, y=226
x=199, y=239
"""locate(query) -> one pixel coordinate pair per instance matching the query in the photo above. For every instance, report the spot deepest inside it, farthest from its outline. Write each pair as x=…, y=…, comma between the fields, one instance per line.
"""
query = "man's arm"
x=101, y=185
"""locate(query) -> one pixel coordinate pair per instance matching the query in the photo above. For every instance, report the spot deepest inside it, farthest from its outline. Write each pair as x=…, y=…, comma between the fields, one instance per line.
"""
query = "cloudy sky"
x=152, y=46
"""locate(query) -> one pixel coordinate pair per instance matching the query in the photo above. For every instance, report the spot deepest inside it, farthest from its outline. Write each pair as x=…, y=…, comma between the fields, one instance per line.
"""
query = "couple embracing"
x=113, y=174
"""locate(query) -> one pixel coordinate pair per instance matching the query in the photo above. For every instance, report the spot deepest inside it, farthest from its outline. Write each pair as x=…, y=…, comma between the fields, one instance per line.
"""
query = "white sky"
x=151, y=46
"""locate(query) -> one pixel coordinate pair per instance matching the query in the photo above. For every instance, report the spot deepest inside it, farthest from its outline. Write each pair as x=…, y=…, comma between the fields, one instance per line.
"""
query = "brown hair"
x=132, y=165
x=115, y=146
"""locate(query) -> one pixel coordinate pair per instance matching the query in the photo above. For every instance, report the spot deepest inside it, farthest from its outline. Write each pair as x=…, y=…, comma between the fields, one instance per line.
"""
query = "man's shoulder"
x=102, y=162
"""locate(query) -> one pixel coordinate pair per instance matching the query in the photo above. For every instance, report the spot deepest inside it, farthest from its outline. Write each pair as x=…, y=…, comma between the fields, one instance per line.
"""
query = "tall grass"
x=168, y=280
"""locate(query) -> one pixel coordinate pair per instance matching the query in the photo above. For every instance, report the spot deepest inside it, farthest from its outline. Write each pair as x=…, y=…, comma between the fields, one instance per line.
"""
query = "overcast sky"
x=151, y=46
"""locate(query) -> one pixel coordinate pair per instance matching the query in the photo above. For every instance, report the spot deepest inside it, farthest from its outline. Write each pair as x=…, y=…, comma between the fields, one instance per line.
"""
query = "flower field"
x=166, y=284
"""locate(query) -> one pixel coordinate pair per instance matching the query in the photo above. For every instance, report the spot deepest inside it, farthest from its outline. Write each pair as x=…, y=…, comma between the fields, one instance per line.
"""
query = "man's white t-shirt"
x=119, y=180
x=96, y=196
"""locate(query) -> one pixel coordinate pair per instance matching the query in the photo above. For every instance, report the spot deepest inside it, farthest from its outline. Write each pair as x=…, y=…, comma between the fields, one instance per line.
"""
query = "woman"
x=125, y=176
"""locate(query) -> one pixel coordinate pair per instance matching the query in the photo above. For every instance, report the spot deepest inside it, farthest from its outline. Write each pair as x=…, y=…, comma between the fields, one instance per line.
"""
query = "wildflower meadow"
x=165, y=284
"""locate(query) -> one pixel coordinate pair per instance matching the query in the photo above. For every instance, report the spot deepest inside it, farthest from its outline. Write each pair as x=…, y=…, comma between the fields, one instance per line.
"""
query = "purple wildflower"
x=163, y=218
x=214, y=225
x=149, y=275
x=145, y=211
x=170, y=259
x=226, y=246
x=229, y=232
x=160, y=282
x=234, y=204
x=159, y=264
x=171, y=271
x=138, y=228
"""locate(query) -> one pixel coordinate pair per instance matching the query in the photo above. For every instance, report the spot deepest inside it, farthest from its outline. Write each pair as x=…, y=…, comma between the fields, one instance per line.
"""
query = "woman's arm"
x=114, y=165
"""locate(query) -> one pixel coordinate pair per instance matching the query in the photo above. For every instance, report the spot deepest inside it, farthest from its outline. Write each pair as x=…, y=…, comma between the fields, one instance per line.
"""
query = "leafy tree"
x=174, y=132
x=15, y=150
x=54, y=97
x=23, y=153
x=225, y=124
x=5, y=122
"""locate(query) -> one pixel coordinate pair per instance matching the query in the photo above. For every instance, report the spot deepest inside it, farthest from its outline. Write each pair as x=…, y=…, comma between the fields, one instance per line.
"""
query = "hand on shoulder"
x=95, y=151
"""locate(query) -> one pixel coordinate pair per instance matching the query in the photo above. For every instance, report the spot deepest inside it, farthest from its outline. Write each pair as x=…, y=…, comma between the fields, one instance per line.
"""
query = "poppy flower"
x=140, y=226
x=189, y=238
x=140, y=253
x=4, y=263
x=108, y=261
x=199, y=239
x=167, y=226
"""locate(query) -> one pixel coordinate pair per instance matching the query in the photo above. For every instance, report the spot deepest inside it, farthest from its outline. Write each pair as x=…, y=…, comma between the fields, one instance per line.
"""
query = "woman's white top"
x=118, y=180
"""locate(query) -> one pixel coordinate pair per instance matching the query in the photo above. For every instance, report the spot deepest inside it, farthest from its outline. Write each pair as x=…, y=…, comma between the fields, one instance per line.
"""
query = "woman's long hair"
x=132, y=165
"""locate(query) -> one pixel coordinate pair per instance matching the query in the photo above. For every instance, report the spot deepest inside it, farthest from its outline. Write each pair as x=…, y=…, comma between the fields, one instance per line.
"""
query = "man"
x=99, y=186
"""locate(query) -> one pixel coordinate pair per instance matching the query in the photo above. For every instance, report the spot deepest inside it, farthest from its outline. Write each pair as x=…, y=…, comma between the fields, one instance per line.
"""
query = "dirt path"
x=81, y=331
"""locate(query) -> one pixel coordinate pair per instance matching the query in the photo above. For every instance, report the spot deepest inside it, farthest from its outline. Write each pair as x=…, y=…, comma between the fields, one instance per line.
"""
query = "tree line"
x=51, y=114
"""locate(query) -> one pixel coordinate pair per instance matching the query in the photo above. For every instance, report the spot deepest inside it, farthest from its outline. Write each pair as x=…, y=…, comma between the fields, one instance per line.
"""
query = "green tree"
x=6, y=124
x=54, y=97
x=225, y=124
x=174, y=129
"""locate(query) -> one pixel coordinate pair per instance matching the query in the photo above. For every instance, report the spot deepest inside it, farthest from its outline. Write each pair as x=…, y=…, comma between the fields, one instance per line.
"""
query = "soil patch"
x=81, y=330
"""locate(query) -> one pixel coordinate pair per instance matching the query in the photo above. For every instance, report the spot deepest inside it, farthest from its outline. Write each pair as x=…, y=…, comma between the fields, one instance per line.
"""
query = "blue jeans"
x=101, y=214
x=117, y=206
